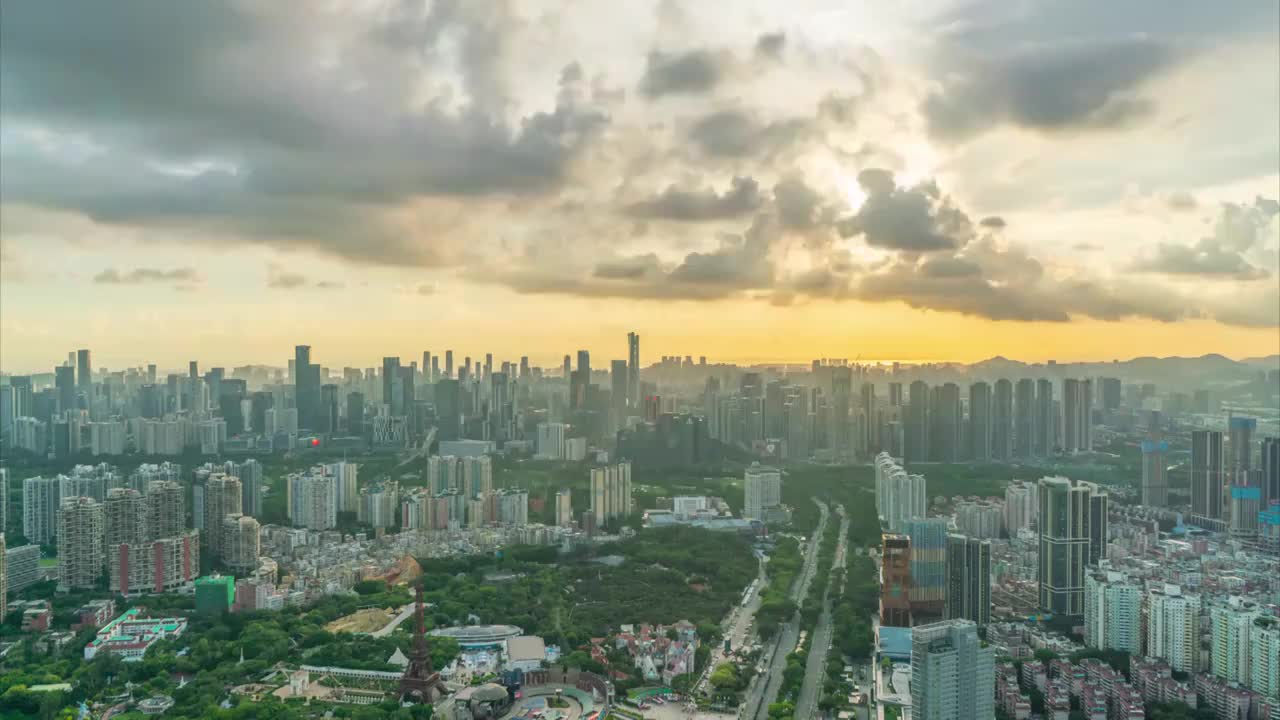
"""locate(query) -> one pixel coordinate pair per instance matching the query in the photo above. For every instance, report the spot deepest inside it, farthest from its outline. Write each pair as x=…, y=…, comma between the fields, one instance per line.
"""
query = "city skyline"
x=905, y=190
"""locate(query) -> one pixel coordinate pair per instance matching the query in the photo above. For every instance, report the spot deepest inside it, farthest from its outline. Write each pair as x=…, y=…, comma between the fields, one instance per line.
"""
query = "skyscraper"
x=980, y=422
x=1270, y=465
x=1240, y=436
x=1207, y=475
x=1110, y=393
x=1077, y=415
x=41, y=499
x=1230, y=625
x=952, y=672
x=1044, y=430
x=250, y=474
x=900, y=496
x=619, y=379
x=633, y=370
x=1155, y=483
x=1002, y=421
x=392, y=387
x=1065, y=509
x=928, y=568
x=763, y=492
x=1264, y=656
x=64, y=381
x=306, y=389
x=84, y=374
x=448, y=409
x=222, y=497
x=564, y=507
x=895, y=580
x=968, y=566
x=917, y=431
x=611, y=492
x=944, y=423
x=1024, y=418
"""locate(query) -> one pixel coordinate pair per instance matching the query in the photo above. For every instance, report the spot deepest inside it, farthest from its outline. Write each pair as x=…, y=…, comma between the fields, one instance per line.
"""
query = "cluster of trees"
x=776, y=605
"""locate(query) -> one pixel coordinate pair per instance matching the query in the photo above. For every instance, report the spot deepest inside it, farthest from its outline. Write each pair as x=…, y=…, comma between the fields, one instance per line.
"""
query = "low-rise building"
x=129, y=635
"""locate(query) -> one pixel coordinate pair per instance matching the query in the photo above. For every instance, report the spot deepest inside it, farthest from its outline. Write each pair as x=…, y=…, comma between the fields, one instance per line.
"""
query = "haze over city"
x=641, y=360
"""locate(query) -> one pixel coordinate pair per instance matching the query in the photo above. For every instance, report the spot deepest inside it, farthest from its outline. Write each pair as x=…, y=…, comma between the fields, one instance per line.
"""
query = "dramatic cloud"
x=916, y=219
x=1076, y=85
x=695, y=71
x=280, y=279
x=138, y=276
x=771, y=45
x=1240, y=230
x=739, y=133
x=1206, y=258
x=630, y=268
x=800, y=207
x=674, y=203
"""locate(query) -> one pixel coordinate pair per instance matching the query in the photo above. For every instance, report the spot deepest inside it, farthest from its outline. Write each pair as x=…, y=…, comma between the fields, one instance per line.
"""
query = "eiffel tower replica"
x=420, y=683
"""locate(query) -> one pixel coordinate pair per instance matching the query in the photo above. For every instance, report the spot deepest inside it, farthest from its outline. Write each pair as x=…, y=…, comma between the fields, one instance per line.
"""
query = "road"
x=390, y=627
x=735, y=628
x=816, y=663
x=765, y=686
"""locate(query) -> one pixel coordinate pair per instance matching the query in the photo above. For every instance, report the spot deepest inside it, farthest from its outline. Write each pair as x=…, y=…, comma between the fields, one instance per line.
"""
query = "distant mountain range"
x=1211, y=367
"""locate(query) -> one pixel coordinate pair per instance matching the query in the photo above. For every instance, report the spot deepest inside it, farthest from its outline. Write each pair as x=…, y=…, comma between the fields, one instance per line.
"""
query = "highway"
x=765, y=686
x=816, y=663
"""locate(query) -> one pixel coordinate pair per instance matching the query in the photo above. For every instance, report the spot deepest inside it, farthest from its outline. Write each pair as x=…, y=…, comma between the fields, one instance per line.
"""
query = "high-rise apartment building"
x=4, y=575
x=551, y=440
x=1024, y=418
x=1208, y=474
x=633, y=370
x=1173, y=628
x=1002, y=421
x=899, y=496
x=1264, y=656
x=250, y=474
x=763, y=493
x=222, y=497
x=306, y=388
x=311, y=500
x=952, y=672
x=1112, y=612
x=981, y=422
x=1069, y=525
x=1230, y=625
x=80, y=535
x=564, y=507
x=1269, y=463
x=1155, y=482
x=166, y=508
x=916, y=435
x=1021, y=506
x=1240, y=431
x=41, y=499
x=241, y=535
x=968, y=567
x=84, y=375
x=1077, y=415
x=1045, y=430
x=944, y=423
x=610, y=492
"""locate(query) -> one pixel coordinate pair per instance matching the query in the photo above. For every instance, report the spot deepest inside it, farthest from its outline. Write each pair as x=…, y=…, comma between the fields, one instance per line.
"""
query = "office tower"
x=1065, y=510
x=1110, y=393
x=64, y=382
x=355, y=414
x=928, y=567
x=1173, y=628
x=84, y=375
x=1099, y=524
x=1230, y=625
x=1001, y=421
x=917, y=426
x=1044, y=430
x=328, y=409
x=895, y=394
x=193, y=369
x=250, y=474
x=895, y=580
x=899, y=496
x=241, y=536
x=981, y=422
x=392, y=388
x=310, y=500
x=610, y=492
x=166, y=508
x=869, y=443
x=1077, y=415
x=1155, y=483
x=564, y=507
x=1024, y=418
x=1264, y=656
x=1208, y=471
x=41, y=499
x=222, y=497
x=448, y=409
x=763, y=493
x=1112, y=612
x=448, y=363
x=1020, y=506
x=952, y=672
x=306, y=388
x=968, y=567
x=80, y=528
x=633, y=370
x=1270, y=466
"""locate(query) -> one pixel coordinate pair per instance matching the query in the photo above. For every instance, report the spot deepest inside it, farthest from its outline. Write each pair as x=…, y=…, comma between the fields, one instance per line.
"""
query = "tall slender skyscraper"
x=448, y=363
x=84, y=373
x=1045, y=427
x=1077, y=415
x=1024, y=418
x=1002, y=421
x=392, y=387
x=1155, y=483
x=944, y=423
x=917, y=431
x=1207, y=475
x=633, y=370
x=64, y=381
x=306, y=388
x=980, y=422
x=1072, y=534
x=968, y=579
x=1270, y=464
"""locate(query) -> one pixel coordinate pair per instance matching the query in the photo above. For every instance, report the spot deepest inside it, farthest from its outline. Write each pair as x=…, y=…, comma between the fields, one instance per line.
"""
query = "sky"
x=751, y=181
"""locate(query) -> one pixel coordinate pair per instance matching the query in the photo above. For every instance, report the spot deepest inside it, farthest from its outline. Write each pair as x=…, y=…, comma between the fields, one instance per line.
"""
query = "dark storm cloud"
x=800, y=207
x=771, y=45
x=629, y=268
x=138, y=276
x=911, y=219
x=736, y=133
x=675, y=203
x=297, y=154
x=1073, y=86
x=690, y=72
